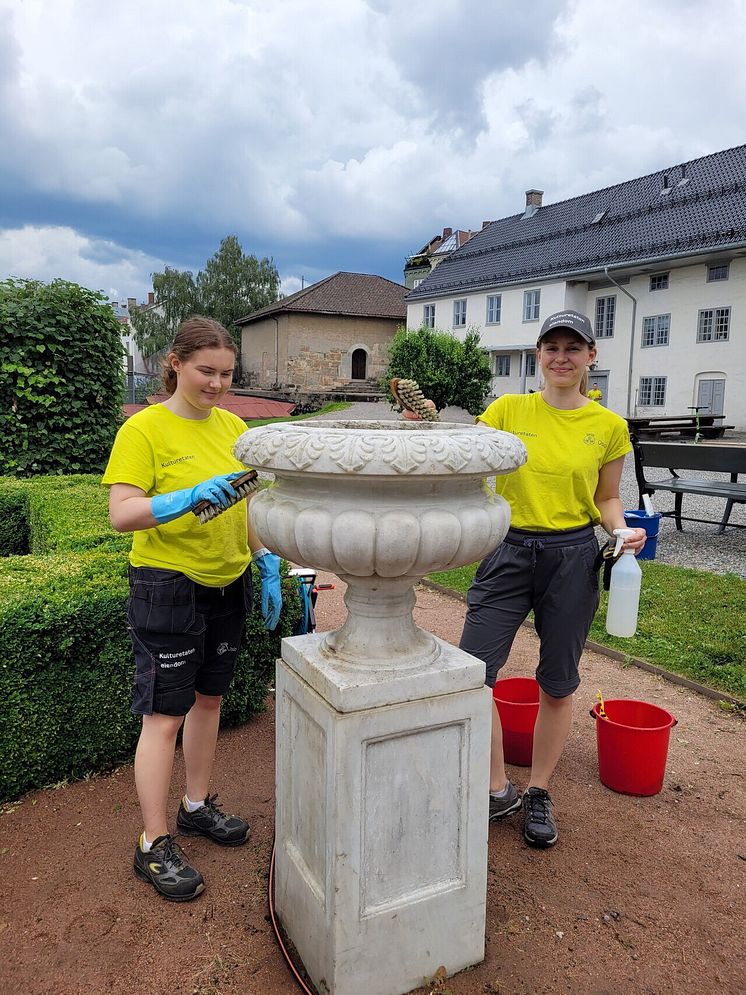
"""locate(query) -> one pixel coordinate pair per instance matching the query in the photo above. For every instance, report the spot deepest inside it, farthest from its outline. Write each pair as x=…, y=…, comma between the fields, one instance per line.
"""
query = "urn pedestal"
x=383, y=730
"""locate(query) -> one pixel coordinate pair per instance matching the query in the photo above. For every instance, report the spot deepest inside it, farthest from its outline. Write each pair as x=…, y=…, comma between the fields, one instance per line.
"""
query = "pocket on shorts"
x=161, y=601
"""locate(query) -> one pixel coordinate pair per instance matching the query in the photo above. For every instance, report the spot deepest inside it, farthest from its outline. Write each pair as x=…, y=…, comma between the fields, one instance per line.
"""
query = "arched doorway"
x=359, y=364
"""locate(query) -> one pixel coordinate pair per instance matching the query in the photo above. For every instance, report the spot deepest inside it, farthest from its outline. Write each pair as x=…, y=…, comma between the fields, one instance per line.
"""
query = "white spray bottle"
x=624, y=590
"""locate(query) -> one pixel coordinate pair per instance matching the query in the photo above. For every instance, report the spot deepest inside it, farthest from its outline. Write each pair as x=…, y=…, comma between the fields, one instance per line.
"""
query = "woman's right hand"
x=412, y=415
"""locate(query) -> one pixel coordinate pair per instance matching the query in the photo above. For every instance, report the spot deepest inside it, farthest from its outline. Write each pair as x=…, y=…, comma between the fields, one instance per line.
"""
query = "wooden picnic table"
x=656, y=426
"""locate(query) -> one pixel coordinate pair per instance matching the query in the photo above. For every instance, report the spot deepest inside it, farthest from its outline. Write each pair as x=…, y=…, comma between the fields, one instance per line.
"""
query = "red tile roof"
x=240, y=405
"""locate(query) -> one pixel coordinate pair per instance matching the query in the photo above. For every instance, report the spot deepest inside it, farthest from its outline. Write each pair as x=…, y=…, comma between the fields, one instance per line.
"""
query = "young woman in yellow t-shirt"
x=190, y=591
x=569, y=484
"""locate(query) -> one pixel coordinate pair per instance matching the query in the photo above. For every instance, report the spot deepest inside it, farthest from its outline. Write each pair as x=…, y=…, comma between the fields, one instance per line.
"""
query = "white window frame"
x=657, y=329
x=459, y=313
x=605, y=315
x=428, y=315
x=652, y=392
x=530, y=364
x=531, y=305
x=502, y=364
x=713, y=324
x=718, y=272
x=659, y=281
x=494, y=309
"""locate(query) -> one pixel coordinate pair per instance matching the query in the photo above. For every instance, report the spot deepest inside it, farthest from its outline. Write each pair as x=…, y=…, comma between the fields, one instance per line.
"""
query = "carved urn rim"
x=381, y=448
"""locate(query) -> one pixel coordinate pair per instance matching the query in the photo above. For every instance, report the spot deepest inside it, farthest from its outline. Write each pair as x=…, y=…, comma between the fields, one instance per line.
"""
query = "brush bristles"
x=409, y=395
x=244, y=485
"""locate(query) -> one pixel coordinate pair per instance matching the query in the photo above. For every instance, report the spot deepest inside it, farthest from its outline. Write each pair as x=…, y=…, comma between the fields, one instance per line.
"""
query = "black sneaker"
x=211, y=822
x=165, y=867
x=539, y=827
x=505, y=805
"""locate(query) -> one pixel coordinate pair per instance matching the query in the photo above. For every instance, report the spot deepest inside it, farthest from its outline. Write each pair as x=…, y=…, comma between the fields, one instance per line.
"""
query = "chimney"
x=131, y=303
x=485, y=223
x=533, y=202
x=151, y=298
x=447, y=232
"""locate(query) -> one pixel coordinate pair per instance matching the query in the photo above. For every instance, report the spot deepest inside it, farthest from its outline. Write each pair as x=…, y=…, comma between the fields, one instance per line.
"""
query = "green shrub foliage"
x=66, y=668
x=61, y=378
x=449, y=370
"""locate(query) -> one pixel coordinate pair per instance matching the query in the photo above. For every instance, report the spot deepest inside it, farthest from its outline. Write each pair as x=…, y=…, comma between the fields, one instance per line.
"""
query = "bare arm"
x=255, y=542
x=129, y=508
x=609, y=504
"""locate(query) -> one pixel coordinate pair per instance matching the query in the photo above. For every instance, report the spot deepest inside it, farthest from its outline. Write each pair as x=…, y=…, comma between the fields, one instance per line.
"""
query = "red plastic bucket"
x=632, y=745
x=517, y=701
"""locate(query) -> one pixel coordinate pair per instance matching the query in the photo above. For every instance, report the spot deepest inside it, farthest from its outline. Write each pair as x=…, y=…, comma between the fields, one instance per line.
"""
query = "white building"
x=658, y=264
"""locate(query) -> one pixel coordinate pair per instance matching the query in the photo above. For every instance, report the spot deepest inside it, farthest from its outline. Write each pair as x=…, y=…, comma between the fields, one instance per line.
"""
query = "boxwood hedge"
x=66, y=667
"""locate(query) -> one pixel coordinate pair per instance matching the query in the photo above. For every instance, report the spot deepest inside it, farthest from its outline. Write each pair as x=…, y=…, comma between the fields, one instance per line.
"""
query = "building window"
x=714, y=325
x=655, y=330
x=417, y=282
x=531, y=364
x=459, y=314
x=531, y=299
x=428, y=316
x=717, y=272
x=502, y=366
x=652, y=392
x=605, y=310
x=494, y=305
x=659, y=281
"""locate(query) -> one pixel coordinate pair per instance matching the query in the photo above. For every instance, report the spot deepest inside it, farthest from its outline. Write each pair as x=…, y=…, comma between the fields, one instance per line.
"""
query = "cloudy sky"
x=334, y=134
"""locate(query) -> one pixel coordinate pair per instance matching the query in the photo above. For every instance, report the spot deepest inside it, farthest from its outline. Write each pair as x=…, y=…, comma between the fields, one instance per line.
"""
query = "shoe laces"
x=212, y=805
x=539, y=804
x=173, y=855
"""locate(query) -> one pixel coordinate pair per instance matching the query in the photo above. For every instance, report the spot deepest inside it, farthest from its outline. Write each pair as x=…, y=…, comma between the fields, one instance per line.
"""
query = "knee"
x=207, y=702
x=162, y=726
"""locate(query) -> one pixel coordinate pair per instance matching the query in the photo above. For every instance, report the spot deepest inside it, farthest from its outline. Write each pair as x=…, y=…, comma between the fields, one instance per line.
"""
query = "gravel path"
x=697, y=546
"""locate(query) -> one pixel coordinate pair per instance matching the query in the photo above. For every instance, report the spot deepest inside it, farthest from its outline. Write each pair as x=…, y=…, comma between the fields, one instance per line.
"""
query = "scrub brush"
x=407, y=394
x=244, y=485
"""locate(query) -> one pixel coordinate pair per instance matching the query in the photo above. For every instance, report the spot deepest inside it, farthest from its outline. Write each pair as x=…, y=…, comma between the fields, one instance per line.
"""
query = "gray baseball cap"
x=574, y=321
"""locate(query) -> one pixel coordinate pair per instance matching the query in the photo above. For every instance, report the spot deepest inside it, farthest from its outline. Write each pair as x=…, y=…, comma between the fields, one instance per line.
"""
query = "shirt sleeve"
x=619, y=444
x=131, y=461
x=494, y=414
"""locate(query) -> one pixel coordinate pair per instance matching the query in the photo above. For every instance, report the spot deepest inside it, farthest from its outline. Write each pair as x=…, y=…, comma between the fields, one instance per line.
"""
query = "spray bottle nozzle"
x=621, y=535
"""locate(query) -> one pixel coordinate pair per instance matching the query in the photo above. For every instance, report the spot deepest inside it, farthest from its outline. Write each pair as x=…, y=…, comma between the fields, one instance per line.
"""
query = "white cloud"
x=302, y=125
x=48, y=253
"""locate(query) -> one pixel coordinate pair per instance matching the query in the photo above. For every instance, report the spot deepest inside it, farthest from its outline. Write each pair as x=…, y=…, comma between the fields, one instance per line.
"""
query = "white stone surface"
x=383, y=732
x=381, y=836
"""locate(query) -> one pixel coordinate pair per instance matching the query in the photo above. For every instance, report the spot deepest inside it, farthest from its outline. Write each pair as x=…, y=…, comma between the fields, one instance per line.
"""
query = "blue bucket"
x=651, y=523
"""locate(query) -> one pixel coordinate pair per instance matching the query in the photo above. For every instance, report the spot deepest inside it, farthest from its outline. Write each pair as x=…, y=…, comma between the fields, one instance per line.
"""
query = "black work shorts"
x=554, y=574
x=186, y=637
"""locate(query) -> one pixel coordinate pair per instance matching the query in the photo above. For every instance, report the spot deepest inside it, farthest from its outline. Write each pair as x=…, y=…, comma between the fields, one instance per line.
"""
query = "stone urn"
x=380, y=504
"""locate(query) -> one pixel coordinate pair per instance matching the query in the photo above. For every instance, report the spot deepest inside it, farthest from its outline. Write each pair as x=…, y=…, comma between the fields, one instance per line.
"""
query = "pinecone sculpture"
x=408, y=395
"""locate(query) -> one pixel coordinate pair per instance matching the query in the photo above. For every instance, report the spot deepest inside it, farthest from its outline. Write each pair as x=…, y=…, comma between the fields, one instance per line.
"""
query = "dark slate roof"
x=355, y=294
x=705, y=212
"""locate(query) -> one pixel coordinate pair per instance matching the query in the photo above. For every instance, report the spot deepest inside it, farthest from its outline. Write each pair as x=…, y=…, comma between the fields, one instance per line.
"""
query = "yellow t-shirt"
x=554, y=490
x=595, y=394
x=160, y=452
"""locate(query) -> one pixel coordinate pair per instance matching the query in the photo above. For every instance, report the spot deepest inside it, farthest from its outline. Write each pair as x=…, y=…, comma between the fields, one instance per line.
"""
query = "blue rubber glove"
x=268, y=565
x=216, y=490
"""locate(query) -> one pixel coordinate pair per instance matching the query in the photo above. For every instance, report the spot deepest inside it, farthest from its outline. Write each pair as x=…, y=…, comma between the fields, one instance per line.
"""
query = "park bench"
x=676, y=456
x=675, y=426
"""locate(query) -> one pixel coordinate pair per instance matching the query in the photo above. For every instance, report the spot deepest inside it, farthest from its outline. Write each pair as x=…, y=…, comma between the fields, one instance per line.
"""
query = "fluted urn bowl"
x=380, y=504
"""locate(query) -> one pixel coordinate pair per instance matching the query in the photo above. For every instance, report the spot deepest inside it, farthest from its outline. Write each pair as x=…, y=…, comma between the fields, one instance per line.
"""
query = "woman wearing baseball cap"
x=570, y=484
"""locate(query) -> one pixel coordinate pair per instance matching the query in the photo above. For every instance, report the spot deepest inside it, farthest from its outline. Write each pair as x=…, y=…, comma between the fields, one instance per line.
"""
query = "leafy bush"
x=449, y=370
x=61, y=378
x=66, y=670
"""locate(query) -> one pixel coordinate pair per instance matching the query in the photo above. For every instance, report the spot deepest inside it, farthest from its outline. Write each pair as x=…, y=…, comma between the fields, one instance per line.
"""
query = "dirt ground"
x=640, y=894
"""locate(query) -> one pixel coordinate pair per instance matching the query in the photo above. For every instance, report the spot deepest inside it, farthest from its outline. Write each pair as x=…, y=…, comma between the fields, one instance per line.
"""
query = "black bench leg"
x=726, y=515
x=677, y=511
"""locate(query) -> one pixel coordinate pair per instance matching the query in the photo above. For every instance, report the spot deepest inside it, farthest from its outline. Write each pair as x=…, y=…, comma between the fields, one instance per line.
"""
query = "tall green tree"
x=61, y=378
x=231, y=285
x=448, y=369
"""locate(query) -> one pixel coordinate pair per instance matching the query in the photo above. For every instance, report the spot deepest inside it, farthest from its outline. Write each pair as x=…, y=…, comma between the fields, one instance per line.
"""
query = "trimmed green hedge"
x=66, y=667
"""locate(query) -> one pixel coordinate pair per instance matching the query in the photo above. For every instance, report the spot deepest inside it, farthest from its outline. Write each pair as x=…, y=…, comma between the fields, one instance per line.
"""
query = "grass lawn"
x=690, y=623
x=333, y=406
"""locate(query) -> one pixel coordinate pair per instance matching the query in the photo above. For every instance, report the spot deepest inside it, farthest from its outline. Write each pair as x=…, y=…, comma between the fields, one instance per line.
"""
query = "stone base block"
x=381, y=835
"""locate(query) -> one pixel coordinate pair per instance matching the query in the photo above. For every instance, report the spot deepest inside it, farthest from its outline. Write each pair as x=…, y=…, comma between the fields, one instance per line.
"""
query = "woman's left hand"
x=635, y=542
